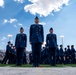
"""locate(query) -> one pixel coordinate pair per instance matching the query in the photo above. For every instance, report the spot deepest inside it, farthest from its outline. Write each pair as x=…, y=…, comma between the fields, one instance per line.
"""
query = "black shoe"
x=33, y=65
x=53, y=64
x=37, y=66
x=18, y=64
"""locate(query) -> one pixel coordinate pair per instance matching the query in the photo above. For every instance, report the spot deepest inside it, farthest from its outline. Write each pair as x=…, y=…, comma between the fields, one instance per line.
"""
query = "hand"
x=30, y=42
x=42, y=43
x=25, y=49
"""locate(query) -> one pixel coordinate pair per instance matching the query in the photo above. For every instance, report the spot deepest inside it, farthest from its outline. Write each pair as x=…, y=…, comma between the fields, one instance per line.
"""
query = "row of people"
x=63, y=56
x=36, y=39
x=10, y=55
x=66, y=56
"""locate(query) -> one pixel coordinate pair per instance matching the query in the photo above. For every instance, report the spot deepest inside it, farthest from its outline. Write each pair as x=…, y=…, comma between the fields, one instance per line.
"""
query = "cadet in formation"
x=51, y=42
x=8, y=51
x=36, y=41
x=20, y=44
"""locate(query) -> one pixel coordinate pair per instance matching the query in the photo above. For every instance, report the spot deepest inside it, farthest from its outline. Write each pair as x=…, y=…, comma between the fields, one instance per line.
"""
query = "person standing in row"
x=72, y=54
x=61, y=54
x=51, y=42
x=8, y=51
x=36, y=40
x=20, y=44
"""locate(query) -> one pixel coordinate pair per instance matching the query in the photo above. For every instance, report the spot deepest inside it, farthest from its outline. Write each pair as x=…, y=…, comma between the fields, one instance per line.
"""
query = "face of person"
x=61, y=46
x=65, y=49
x=21, y=30
x=9, y=43
x=13, y=47
x=72, y=47
x=51, y=31
x=36, y=20
x=68, y=47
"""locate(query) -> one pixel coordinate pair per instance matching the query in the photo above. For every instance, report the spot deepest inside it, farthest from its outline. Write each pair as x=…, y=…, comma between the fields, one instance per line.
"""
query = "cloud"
x=44, y=8
x=12, y=20
x=1, y=3
x=10, y=35
x=5, y=21
x=4, y=38
x=20, y=1
x=42, y=23
x=9, y=21
x=19, y=24
x=15, y=26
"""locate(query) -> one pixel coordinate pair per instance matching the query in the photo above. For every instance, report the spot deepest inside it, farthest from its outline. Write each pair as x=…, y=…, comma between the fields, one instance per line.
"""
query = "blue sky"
x=59, y=14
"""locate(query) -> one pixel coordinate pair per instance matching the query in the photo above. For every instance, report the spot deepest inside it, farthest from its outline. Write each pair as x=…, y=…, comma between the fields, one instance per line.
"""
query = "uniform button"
x=37, y=34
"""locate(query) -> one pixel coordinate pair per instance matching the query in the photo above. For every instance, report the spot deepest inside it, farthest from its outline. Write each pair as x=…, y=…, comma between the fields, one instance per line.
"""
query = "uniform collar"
x=36, y=24
x=21, y=33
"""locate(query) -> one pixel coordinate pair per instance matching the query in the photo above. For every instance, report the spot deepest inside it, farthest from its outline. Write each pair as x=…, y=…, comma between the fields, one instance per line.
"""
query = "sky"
x=59, y=14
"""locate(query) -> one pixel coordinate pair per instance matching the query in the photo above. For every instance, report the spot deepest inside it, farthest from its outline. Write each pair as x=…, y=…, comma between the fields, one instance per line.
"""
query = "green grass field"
x=42, y=66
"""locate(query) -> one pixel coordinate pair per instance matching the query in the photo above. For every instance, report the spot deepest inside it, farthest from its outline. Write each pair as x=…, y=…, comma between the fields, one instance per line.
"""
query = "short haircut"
x=36, y=17
x=51, y=28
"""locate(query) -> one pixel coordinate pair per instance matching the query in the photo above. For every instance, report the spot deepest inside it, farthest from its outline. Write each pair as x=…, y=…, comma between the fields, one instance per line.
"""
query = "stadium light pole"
x=62, y=36
x=9, y=36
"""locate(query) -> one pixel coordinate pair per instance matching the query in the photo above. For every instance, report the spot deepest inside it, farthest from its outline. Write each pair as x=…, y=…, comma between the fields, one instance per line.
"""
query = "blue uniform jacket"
x=51, y=40
x=8, y=50
x=21, y=41
x=36, y=33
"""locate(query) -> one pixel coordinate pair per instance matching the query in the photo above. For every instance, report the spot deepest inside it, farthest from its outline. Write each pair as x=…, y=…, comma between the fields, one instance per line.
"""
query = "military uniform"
x=20, y=44
x=61, y=55
x=36, y=38
x=57, y=55
x=11, y=54
x=68, y=55
x=72, y=54
x=13, y=59
x=7, y=57
x=51, y=42
x=30, y=58
x=65, y=56
x=24, y=58
x=44, y=55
